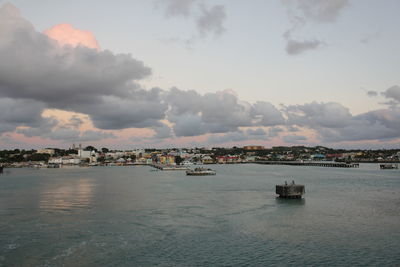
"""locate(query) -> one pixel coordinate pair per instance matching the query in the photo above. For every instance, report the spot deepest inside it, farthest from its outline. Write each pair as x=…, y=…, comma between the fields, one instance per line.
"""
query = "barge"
x=290, y=190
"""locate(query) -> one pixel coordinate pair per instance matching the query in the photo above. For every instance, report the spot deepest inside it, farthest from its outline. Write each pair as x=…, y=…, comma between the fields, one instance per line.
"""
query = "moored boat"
x=201, y=172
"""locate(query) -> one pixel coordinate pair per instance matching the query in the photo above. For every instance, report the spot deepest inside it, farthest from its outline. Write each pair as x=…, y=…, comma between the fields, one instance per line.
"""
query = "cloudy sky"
x=184, y=73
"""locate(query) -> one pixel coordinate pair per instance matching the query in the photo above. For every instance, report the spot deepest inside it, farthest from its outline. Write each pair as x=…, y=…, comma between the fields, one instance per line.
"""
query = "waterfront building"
x=207, y=160
x=250, y=158
x=221, y=160
x=167, y=160
x=318, y=157
x=66, y=160
x=228, y=159
x=57, y=160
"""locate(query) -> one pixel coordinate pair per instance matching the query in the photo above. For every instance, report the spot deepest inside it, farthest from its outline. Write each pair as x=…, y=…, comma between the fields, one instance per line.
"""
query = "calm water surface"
x=135, y=216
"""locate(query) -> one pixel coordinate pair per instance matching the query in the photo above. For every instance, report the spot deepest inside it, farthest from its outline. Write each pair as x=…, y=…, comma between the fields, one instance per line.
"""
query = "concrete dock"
x=312, y=163
x=163, y=167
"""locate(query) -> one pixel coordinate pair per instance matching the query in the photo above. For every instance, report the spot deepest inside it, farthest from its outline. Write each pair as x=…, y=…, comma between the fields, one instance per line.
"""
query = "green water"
x=135, y=216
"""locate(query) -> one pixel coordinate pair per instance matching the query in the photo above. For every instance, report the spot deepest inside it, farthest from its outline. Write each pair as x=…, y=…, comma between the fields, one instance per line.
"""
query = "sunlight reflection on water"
x=70, y=195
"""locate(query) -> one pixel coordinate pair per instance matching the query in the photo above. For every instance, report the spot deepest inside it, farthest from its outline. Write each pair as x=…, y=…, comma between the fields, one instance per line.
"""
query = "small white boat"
x=389, y=166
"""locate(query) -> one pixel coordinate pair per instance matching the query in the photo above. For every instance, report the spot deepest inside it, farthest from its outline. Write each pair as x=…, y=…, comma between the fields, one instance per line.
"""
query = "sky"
x=186, y=73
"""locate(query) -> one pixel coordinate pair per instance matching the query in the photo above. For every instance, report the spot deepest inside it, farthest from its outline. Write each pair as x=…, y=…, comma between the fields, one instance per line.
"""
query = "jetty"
x=311, y=163
x=163, y=167
x=290, y=190
x=389, y=166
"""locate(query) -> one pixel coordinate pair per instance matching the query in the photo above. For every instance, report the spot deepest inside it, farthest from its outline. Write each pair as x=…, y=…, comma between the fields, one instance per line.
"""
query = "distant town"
x=91, y=156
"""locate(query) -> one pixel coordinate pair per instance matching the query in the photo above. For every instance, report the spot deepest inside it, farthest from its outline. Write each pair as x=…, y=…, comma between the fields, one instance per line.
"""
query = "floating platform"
x=290, y=190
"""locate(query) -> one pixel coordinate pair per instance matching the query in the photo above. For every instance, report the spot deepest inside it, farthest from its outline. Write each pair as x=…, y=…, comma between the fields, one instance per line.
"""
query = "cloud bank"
x=38, y=73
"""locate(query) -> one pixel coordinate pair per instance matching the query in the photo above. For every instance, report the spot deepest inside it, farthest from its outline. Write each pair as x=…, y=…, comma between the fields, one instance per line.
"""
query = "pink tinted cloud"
x=66, y=34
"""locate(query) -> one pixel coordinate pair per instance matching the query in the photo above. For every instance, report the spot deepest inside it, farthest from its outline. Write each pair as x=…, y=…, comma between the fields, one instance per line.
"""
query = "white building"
x=85, y=154
x=139, y=153
x=55, y=160
x=67, y=160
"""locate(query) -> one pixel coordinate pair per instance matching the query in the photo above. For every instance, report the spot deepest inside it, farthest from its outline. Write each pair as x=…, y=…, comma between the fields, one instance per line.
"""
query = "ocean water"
x=136, y=216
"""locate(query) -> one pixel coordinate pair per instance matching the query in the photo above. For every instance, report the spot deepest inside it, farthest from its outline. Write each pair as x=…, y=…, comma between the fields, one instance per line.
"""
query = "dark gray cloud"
x=68, y=135
x=221, y=112
x=334, y=123
x=393, y=93
x=292, y=128
x=256, y=132
x=226, y=110
x=211, y=20
x=103, y=86
x=35, y=67
x=195, y=114
x=91, y=135
x=372, y=93
x=374, y=125
x=294, y=47
x=45, y=127
x=162, y=131
x=176, y=8
x=314, y=115
x=36, y=73
x=323, y=11
x=75, y=122
x=98, y=83
x=19, y=112
x=228, y=137
x=303, y=11
x=144, y=109
x=184, y=101
x=238, y=136
x=294, y=139
x=274, y=131
x=266, y=114
x=51, y=128
x=188, y=125
x=370, y=37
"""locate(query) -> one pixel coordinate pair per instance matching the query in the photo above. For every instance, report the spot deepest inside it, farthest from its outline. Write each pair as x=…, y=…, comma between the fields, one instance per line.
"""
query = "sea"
x=139, y=216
